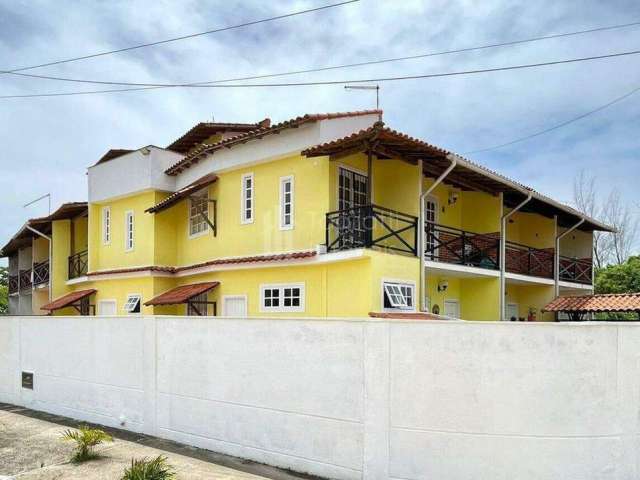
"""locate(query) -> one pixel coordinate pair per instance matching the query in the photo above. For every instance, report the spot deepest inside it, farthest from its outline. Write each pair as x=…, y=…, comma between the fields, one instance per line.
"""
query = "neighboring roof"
x=113, y=153
x=257, y=133
x=202, y=131
x=182, y=293
x=183, y=193
x=616, y=302
x=68, y=300
x=467, y=175
x=43, y=225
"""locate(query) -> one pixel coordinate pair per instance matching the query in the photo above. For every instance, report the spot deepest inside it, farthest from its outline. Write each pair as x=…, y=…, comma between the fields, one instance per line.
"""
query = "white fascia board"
x=289, y=141
x=132, y=172
x=575, y=286
x=520, y=279
x=461, y=271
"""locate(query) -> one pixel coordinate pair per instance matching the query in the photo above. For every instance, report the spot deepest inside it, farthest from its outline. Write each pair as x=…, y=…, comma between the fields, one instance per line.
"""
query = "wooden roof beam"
x=464, y=183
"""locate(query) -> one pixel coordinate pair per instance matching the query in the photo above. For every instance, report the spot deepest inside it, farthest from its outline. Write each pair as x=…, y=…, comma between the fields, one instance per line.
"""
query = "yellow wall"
x=40, y=249
x=480, y=299
x=114, y=255
x=531, y=297
x=448, y=215
x=311, y=200
x=481, y=212
x=79, y=228
x=532, y=230
x=577, y=244
x=59, y=268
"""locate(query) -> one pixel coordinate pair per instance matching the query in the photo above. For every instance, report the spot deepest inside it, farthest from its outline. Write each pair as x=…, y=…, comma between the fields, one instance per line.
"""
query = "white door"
x=234, y=306
x=107, y=307
x=512, y=311
x=452, y=308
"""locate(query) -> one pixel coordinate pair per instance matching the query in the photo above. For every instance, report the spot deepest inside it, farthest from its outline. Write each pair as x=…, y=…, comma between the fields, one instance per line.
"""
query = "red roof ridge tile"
x=259, y=132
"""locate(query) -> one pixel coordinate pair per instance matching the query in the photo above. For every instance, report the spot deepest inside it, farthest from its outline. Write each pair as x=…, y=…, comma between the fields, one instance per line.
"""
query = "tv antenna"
x=367, y=87
x=48, y=196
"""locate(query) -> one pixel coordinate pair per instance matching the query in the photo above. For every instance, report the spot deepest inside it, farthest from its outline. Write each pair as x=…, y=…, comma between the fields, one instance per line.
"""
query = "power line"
x=336, y=67
x=175, y=39
x=342, y=82
x=556, y=127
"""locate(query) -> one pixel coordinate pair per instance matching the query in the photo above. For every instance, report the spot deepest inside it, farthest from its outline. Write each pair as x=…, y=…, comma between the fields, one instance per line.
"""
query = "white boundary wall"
x=348, y=399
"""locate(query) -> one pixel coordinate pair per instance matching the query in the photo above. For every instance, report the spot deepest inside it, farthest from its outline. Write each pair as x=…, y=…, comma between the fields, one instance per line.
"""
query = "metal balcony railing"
x=14, y=283
x=25, y=279
x=529, y=261
x=461, y=247
x=369, y=226
x=577, y=270
x=78, y=264
x=41, y=273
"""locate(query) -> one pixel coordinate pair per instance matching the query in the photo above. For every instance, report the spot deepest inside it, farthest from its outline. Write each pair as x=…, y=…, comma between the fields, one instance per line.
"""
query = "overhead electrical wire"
x=175, y=39
x=333, y=67
x=556, y=127
x=350, y=81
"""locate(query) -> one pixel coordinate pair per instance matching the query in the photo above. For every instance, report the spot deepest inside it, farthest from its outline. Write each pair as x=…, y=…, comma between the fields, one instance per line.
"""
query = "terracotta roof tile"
x=183, y=193
x=68, y=299
x=617, y=302
x=150, y=268
x=203, y=130
x=182, y=293
x=260, y=132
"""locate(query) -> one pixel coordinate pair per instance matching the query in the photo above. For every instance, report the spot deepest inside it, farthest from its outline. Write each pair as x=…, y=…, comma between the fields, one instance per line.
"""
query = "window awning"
x=184, y=192
x=182, y=294
x=68, y=300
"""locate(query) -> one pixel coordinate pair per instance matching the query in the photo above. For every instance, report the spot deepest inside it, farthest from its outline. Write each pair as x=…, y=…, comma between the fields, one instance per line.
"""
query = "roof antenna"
x=368, y=87
x=48, y=195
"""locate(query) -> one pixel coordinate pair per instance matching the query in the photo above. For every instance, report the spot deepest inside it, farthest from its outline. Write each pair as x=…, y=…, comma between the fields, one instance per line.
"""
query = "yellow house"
x=329, y=215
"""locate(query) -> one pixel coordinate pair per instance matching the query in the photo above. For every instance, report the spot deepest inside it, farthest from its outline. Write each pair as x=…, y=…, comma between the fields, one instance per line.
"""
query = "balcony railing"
x=25, y=279
x=41, y=273
x=460, y=247
x=529, y=261
x=370, y=226
x=14, y=283
x=577, y=270
x=78, y=264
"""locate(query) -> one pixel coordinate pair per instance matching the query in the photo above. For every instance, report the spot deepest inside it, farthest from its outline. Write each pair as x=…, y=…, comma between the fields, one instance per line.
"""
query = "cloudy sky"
x=47, y=143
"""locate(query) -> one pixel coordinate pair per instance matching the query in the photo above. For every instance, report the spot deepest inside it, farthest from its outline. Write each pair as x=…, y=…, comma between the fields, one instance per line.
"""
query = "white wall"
x=349, y=399
x=131, y=173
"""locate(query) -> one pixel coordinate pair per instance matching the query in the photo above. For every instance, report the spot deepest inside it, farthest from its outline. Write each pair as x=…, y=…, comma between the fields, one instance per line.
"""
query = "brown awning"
x=183, y=193
x=68, y=300
x=617, y=302
x=182, y=294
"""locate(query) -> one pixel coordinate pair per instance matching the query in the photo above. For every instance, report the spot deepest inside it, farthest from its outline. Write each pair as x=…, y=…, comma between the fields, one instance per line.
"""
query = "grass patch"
x=86, y=440
x=145, y=469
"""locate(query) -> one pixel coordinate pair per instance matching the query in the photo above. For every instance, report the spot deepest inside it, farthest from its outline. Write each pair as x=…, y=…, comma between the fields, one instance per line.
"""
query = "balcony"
x=525, y=260
x=578, y=270
x=78, y=264
x=461, y=247
x=371, y=226
x=14, y=284
x=41, y=273
x=25, y=279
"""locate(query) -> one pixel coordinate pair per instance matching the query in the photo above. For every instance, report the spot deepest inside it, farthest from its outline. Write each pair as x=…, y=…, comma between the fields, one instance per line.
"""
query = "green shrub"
x=86, y=439
x=144, y=469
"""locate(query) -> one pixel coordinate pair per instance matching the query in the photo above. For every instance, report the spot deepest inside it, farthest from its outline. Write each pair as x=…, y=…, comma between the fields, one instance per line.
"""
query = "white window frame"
x=283, y=181
x=126, y=307
x=281, y=287
x=243, y=199
x=106, y=225
x=403, y=284
x=454, y=301
x=205, y=194
x=129, y=247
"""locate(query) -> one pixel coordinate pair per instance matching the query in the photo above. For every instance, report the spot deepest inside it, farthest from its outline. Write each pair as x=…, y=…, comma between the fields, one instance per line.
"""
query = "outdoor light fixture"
x=443, y=285
x=453, y=197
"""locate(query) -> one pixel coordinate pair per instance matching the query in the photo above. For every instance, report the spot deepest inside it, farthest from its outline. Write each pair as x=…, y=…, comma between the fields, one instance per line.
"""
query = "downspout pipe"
x=556, y=257
x=503, y=249
x=50, y=252
x=421, y=236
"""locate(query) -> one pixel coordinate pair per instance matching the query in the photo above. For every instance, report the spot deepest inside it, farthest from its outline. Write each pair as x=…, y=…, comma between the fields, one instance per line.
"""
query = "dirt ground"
x=30, y=449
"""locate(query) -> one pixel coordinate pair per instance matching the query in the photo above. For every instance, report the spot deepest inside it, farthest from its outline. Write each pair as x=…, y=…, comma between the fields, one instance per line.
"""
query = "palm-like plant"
x=86, y=440
x=144, y=469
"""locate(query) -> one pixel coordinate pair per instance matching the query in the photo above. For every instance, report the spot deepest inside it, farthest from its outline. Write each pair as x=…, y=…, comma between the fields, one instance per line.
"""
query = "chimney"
x=266, y=123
